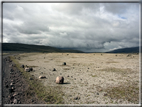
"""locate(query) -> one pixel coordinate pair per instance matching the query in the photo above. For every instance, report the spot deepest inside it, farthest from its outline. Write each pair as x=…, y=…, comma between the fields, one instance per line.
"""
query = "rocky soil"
x=89, y=78
x=14, y=86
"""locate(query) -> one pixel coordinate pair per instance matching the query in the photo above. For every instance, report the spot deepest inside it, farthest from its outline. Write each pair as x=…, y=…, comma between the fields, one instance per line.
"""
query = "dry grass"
x=30, y=60
x=93, y=75
x=66, y=68
x=117, y=70
x=128, y=91
x=112, y=62
x=51, y=95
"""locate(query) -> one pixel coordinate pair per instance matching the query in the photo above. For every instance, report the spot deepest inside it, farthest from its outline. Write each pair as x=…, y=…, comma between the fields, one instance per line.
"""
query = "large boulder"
x=60, y=80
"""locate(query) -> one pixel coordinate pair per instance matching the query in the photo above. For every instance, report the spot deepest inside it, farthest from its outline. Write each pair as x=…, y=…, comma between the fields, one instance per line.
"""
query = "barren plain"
x=89, y=78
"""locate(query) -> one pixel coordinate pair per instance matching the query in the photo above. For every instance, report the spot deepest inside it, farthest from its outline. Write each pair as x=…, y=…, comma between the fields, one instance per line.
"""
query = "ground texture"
x=96, y=78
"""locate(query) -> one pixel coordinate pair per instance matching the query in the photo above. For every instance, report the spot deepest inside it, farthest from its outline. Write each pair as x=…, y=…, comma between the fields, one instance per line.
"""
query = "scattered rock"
x=31, y=69
x=76, y=98
x=60, y=80
x=6, y=86
x=60, y=73
x=11, y=70
x=15, y=94
x=128, y=55
x=15, y=101
x=105, y=94
x=22, y=66
x=68, y=76
x=42, y=77
x=30, y=78
x=11, y=90
x=27, y=69
x=64, y=63
x=97, y=93
x=74, y=78
x=11, y=84
x=54, y=69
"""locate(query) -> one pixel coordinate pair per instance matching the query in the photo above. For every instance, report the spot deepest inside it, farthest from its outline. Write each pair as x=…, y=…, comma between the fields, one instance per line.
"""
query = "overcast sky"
x=85, y=26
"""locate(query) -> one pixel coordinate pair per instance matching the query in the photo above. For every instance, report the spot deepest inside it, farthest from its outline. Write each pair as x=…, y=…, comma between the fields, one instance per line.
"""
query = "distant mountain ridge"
x=33, y=48
x=125, y=50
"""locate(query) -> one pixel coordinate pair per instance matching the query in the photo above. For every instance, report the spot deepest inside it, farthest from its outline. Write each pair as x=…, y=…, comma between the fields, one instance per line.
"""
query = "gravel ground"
x=15, y=86
x=87, y=76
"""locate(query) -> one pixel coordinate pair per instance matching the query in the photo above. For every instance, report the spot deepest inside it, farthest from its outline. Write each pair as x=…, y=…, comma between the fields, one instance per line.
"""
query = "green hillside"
x=32, y=48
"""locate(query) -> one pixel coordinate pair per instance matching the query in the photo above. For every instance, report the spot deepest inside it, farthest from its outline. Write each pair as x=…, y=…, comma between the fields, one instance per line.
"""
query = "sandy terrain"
x=88, y=77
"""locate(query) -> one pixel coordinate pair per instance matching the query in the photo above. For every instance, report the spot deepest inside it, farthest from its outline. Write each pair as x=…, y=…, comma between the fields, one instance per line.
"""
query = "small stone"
x=27, y=69
x=6, y=86
x=74, y=78
x=64, y=63
x=97, y=93
x=32, y=100
x=30, y=78
x=15, y=94
x=15, y=101
x=54, y=69
x=22, y=66
x=11, y=84
x=105, y=94
x=76, y=98
x=42, y=77
x=30, y=69
x=68, y=76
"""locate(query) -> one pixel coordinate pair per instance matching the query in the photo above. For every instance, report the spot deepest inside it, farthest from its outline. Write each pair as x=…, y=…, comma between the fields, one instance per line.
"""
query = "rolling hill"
x=33, y=48
x=126, y=50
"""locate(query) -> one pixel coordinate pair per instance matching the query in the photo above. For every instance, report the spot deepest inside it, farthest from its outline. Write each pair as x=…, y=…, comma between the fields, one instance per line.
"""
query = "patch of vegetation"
x=46, y=61
x=93, y=75
x=51, y=95
x=30, y=60
x=66, y=68
x=118, y=70
x=128, y=91
x=33, y=66
x=111, y=62
x=34, y=48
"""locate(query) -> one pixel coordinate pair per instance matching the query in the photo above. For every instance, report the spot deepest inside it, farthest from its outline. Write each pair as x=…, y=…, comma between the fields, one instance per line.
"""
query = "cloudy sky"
x=85, y=26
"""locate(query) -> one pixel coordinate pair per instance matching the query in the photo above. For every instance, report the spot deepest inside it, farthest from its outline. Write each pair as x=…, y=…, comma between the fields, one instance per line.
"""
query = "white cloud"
x=85, y=26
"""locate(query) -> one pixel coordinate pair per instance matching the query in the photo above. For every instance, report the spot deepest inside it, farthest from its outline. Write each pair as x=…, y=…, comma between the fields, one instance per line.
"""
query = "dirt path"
x=15, y=86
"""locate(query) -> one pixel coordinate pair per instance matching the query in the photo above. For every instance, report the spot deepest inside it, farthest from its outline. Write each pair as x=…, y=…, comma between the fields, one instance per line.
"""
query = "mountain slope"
x=126, y=50
x=32, y=48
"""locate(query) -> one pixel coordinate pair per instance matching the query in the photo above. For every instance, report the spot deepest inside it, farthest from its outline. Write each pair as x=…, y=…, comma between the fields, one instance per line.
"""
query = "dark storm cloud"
x=84, y=26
